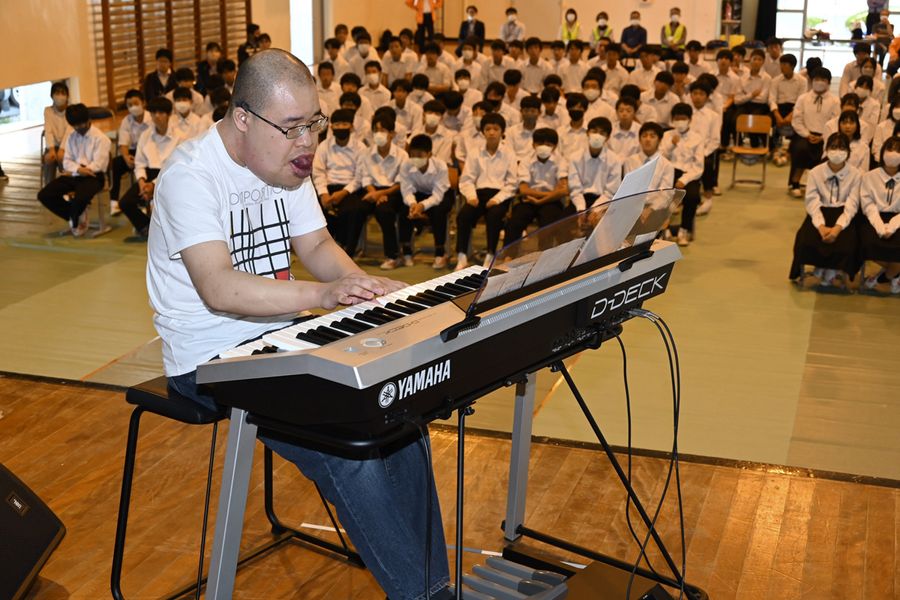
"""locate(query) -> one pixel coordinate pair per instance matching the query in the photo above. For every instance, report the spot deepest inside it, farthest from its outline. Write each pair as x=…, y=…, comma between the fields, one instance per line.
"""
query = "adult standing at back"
x=424, y=19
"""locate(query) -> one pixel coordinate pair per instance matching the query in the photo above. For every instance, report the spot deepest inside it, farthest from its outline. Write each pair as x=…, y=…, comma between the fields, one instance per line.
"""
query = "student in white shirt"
x=409, y=114
x=155, y=145
x=350, y=83
x=684, y=148
x=396, y=66
x=543, y=186
x=660, y=98
x=886, y=128
x=752, y=97
x=879, y=232
x=220, y=100
x=362, y=127
x=869, y=107
x=557, y=54
x=498, y=63
x=827, y=239
x=469, y=62
x=520, y=135
x=651, y=135
x=184, y=120
x=616, y=75
x=596, y=173
x=853, y=69
x=420, y=94
x=373, y=90
x=623, y=139
x=535, y=68
x=427, y=195
x=496, y=94
x=708, y=123
x=470, y=139
x=363, y=55
x=184, y=79
x=645, y=72
x=457, y=115
x=774, y=52
x=440, y=77
x=335, y=175
x=133, y=125
x=329, y=92
x=786, y=87
x=514, y=93
x=739, y=60
x=697, y=65
x=517, y=54
x=553, y=115
x=729, y=86
x=851, y=126
x=471, y=95
x=645, y=113
x=592, y=89
x=681, y=81
x=487, y=183
x=573, y=69
x=811, y=114
x=573, y=135
x=441, y=138
x=334, y=55
x=55, y=130
x=84, y=163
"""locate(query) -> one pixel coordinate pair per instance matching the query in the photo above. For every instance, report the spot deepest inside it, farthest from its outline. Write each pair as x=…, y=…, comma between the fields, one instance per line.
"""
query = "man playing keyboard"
x=230, y=207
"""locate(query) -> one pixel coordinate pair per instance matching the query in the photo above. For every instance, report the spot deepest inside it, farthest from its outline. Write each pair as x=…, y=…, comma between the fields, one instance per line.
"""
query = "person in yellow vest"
x=674, y=35
x=571, y=28
x=602, y=30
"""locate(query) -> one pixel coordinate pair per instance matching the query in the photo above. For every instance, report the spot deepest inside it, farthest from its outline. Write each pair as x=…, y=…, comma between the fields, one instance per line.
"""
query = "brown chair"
x=746, y=125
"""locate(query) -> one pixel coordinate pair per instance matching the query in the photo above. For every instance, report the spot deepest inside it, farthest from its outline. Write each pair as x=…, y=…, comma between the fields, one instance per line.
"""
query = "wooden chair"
x=747, y=125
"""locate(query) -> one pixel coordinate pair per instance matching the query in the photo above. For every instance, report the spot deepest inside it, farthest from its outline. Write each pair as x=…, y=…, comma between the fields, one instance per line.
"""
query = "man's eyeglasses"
x=317, y=125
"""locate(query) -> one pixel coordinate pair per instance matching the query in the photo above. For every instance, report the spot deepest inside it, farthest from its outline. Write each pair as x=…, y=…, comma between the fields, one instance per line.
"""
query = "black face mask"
x=495, y=104
x=576, y=114
x=341, y=135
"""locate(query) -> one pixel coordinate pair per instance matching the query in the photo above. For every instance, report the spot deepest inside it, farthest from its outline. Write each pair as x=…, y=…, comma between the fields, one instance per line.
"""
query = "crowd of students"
x=522, y=133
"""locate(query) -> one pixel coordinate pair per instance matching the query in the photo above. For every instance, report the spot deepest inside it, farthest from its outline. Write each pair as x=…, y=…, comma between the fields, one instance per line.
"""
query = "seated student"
x=660, y=98
x=184, y=79
x=379, y=172
x=440, y=77
x=350, y=83
x=496, y=94
x=363, y=54
x=407, y=41
x=774, y=52
x=827, y=239
x=409, y=114
x=592, y=86
x=374, y=91
x=160, y=80
x=329, y=92
x=185, y=121
x=557, y=55
x=634, y=37
x=444, y=55
x=553, y=82
x=811, y=113
x=85, y=160
x=850, y=102
x=880, y=204
x=133, y=125
x=739, y=60
x=535, y=68
x=362, y=128
x=573, y=69
x=879, y=90
x=470, y=63
x=623, y=138
x=220, y=99
x=520, y=136
x=869, y=107
x=457, y=115
x=684, y=148
x=514, y=93
x=488, y=183
x=616, y=75
x=708, y=123
x=853, y=69
x=885, y=128
x=395, y=65
x=441, y=138
x=153, y=148
x=55, y=130
x=681, y=81
x=596, y=173
x=573, y=135
x=336, y=58
x=553, y=115
x=651, y=135
x=645, y=113
x=420, y=94
x=471, y=95
x=715, y=99
x=849, y=126
x=425, y=187
x=498, y=63
x=784, y=90
x=673, y=36
x=209, y=66
x=335, y=175
x=543, y=186
x=470, y=138
x=811, y=65
x=697, y=65
x=752, y=97
x=645, y=72
x=517, y=54
x=729, y=86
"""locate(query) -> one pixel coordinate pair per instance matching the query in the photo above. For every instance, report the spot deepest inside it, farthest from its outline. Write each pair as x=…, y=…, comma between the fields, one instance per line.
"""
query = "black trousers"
x=690, y=203
x=119, y=168
x=804, y=155
x=395, y=211
x=523, y=213
x=729, y=121
x=85, y=188
x=346, y=219
x=469, y=215
x=710, y=177
x=425, y=31
x=131, y=204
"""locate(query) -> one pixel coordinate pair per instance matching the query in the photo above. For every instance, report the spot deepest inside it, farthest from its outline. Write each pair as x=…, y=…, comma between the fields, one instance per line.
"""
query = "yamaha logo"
x=387, y=395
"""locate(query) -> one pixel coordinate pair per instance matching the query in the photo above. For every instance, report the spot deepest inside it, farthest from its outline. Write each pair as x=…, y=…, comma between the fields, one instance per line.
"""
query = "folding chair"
x=747, y=125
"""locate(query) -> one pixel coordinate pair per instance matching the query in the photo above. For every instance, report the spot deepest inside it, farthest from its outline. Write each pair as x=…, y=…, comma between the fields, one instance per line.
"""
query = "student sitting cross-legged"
x=84, y=163
x=879, y=233
x=596, y=173
x=488, y=183
x=684, y=148
x=827, y=239
x=425, y=187
x=543, y=186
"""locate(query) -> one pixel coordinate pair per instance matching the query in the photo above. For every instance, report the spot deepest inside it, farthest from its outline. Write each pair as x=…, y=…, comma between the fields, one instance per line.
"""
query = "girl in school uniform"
x=849, y=125
x=879, y=231
x=827, y=239
x=885, y=129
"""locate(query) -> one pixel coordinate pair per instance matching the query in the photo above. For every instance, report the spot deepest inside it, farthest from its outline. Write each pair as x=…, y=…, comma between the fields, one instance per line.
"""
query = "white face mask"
x=863, y=93
x=675, y=18
x=836, y=157
x=432, y=119
x=892, y=159
x=869, y=72
x=380, y=138
x=182, y=107
x=511, y=18
x=543, y=152
x=635, y=22
x=591, y=94
x=59, y=100
x=601, y=23
x=417, y=94
x=363, y=49
x=373, y=78
x=596, y=140
x=136, y=110
x=470, y=16
x=819, y=86
x=570, y=18
x=681, y=125
x=468, y=54
x=476, y=121
x=418, y=161
x=462, y=84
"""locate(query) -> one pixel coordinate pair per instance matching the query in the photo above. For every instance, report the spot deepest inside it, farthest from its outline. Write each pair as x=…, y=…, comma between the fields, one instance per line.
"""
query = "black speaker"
x=29, y=533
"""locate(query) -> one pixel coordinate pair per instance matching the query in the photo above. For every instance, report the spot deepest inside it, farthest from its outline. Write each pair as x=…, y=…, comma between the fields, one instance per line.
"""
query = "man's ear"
x=239, y=118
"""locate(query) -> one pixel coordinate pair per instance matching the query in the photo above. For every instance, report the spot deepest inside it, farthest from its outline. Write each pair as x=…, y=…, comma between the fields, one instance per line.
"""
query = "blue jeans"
x=381, y=502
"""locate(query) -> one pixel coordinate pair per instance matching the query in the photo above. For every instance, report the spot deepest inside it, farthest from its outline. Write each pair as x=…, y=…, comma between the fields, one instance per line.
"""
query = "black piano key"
x=313, y=338
x=472, y=280
x=411, y=305
x=422, y=299
x=401, y=309
x=465, y=283
x=370, y=317
x=349, y=325
x=439, y=296
x=328, y=331
x=457, y=290
x=393, y=316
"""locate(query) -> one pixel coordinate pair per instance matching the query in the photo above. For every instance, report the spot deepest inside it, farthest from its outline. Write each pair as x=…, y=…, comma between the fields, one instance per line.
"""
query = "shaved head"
x=264, y=73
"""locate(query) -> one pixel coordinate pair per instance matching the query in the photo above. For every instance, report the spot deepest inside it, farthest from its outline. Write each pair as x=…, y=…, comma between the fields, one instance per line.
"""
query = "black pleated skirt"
x=873, y=247
x=841, y=255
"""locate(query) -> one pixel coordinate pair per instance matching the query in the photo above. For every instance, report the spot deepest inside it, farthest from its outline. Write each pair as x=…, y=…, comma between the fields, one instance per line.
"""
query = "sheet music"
x=554, y=260
x=505, y=282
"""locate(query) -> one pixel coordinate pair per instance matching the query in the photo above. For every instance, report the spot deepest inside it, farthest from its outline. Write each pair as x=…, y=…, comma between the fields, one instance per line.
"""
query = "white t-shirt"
x=202, y=195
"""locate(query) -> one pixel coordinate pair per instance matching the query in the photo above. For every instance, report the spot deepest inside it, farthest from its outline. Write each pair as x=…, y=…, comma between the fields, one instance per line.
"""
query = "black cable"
x=428, y=490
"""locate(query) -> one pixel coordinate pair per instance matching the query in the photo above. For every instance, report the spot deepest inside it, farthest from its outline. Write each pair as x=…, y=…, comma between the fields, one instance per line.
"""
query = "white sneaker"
x=705, y=207
x=462, y=261
x=82, y=227
x=390, y=264
x=895, y=285
x=684, y=237
x=114, y=208
x=408, y=260
x=488, y=260
x=871, y=282
x=828, y=277
x=796, y=193
x=440, y=262
x=717, y=191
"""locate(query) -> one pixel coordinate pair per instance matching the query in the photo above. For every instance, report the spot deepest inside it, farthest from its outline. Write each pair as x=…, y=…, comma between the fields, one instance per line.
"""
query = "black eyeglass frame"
x=315, y=126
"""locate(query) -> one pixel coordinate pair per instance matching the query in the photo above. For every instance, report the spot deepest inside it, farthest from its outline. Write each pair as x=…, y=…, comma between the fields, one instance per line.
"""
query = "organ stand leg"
x=232, y=502
x=518, y=460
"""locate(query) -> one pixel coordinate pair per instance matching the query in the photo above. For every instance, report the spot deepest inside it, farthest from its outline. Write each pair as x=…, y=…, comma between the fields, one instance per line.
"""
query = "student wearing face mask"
x=85, y=160
x=184, y=120
x=364, y=54
x=869, y=107
x=420, y=94
x=471, y=94
x=471, y=29
x=879, y=90
x=602, y=30
x=470, y=63
x=441, y=138
x=55, y=131
x=573, y=135
x=827, y=239
x=811, y=113
x=853, y=69
x=512, y=29
x=596, y=173
x=570, y=29
x=673, y=35
x=634, y=37
x=373, y=90
x=137, y=122
x=427, y=195
x=684, y=148
x=880, y=230
x=885, y=129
